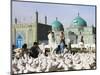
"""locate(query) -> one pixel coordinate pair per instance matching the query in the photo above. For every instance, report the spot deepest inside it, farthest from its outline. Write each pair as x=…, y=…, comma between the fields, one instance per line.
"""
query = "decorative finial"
x=36, y=11
x=78, y=14
x=56, y=18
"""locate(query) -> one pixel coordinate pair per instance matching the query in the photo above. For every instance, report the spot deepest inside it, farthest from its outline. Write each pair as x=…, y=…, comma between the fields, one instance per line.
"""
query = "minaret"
x=46, y=20
x=15, y=20
x=36, y=26
x=36, y=17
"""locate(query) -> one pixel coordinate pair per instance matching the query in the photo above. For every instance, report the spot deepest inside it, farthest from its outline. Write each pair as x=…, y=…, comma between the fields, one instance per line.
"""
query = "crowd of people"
x=56, y=43
x=52, y=57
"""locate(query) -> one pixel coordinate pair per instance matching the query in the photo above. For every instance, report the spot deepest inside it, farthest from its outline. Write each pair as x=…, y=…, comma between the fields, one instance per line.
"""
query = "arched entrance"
x=19, y=41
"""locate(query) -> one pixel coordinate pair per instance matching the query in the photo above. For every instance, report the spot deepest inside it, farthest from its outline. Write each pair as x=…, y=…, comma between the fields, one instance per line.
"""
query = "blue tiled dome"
x=57, y=26
x=79, y=22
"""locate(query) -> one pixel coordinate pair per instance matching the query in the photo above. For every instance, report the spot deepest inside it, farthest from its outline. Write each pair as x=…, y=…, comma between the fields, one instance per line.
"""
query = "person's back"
x=34, y=50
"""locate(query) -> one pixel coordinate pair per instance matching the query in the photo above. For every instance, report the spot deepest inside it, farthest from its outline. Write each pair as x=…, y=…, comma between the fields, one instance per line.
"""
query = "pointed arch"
x=19, y=40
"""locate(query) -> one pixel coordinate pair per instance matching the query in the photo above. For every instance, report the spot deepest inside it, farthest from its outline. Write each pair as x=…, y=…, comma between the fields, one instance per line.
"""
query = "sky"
x=25, y=12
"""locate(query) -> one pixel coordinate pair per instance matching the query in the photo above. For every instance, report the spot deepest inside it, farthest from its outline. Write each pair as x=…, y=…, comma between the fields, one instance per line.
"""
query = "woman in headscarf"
x=62, y=42
x=51, y=40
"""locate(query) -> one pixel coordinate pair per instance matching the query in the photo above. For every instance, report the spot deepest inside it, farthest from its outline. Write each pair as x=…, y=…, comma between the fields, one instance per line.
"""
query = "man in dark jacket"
x=34, y=51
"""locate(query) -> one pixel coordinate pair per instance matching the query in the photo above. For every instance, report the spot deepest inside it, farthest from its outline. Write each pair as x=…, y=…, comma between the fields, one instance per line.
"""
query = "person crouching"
x=34, y=50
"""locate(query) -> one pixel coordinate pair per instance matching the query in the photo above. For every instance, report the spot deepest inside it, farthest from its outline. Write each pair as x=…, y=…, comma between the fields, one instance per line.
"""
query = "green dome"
x=57, y=26
x=79, y=22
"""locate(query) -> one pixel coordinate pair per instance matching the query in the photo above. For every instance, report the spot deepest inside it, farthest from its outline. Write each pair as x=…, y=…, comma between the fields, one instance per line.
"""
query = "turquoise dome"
x=57, y=26
x=79, y=22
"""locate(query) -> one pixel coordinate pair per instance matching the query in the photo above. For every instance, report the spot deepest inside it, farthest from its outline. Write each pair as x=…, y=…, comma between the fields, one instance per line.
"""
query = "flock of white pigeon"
x=54, y=62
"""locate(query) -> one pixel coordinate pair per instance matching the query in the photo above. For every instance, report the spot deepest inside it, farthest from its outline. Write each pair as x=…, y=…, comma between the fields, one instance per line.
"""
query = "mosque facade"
x=29, y=33
x=77, y=28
